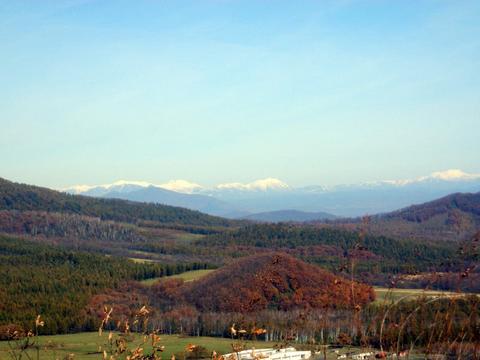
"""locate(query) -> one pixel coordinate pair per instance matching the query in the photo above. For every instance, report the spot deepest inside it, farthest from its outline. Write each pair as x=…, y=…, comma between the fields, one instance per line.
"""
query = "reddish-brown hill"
x=274, y=281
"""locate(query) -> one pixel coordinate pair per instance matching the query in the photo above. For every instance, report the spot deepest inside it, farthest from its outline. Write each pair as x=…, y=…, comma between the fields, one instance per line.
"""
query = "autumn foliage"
x=274, y=281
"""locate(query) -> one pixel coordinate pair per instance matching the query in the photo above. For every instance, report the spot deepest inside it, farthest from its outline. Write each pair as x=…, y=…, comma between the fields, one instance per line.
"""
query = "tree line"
x=15, y=196
x=59, y=283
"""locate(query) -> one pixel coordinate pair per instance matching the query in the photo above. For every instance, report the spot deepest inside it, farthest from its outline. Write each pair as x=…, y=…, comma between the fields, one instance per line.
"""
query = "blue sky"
x=310, y=92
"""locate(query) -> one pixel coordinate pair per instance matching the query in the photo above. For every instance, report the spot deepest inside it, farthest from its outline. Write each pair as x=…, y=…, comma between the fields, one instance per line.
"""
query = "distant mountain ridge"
x=152, y=194
x=289, y=216
x=236, y=200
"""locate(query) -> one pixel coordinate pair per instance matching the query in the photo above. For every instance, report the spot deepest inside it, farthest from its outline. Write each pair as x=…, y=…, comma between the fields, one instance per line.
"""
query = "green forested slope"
x=57, y=283
x=14, y=196
x=377, y=259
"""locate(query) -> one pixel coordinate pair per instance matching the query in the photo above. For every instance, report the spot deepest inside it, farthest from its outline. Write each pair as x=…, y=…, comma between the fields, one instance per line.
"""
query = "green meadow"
x=186, y=276
x=89, y=345
x=391, y=295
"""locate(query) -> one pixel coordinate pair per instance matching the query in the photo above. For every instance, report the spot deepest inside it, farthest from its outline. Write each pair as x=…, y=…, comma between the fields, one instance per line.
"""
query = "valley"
x=65, y=257
x=240, y=180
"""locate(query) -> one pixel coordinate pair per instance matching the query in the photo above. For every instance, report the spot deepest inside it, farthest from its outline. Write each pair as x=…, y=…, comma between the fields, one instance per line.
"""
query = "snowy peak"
x=258, y=185
x=269, y=184
x=236, y=199
x=78, y=189
x=449, y=175
x=182, y=186
x=120, y=185
x=453, y=175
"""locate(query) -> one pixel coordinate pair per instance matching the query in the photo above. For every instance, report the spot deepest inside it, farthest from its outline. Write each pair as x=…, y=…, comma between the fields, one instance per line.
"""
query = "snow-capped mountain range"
x=265, y=195
x=181, y=186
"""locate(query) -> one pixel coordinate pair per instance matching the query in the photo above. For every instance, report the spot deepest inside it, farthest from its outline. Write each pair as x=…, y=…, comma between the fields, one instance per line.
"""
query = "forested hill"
x=377, y=257
x=288, y=236
x=274, y=281
x=455, y=217
x=58, y=283
x=460, y=202
x=15, y=196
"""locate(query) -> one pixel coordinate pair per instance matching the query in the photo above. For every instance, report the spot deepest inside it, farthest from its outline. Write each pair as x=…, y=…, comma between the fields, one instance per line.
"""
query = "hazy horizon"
x=191, y=186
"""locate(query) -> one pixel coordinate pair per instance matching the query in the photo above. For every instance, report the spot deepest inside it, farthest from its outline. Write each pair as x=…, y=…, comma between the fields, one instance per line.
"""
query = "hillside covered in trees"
x=274, y=281
x=42, y=279
x=138, y=230
x=14, y=196
x=455, y=217
x=467, y=203
x=376, y=259
x=273, y=290
x=64, y=256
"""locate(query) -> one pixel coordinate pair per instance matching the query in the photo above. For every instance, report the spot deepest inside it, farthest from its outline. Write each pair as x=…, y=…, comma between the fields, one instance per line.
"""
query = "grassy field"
x=186, y=276
x=89, y=346
x=85, y=346
x=142, y=261
x=385, y=294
